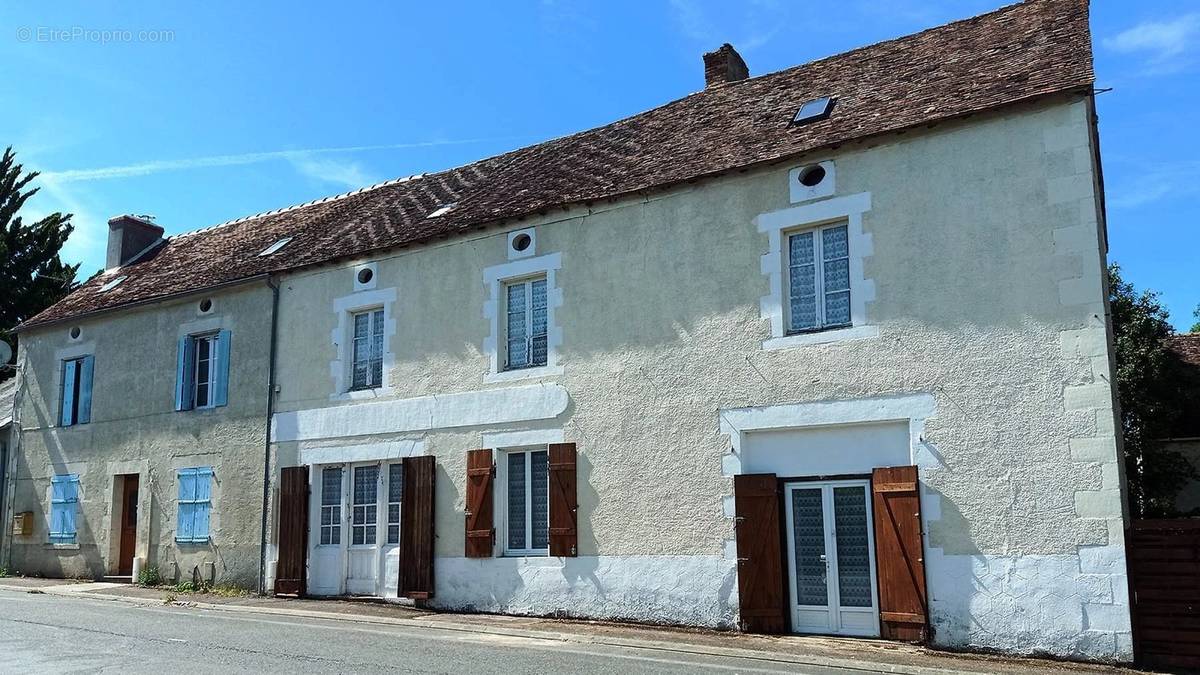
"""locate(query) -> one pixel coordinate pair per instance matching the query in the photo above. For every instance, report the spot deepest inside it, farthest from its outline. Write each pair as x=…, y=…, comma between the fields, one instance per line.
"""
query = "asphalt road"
x=47, y=633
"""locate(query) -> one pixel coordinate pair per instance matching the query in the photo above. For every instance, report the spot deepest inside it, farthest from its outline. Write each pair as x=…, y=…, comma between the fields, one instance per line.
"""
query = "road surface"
x=49, y=633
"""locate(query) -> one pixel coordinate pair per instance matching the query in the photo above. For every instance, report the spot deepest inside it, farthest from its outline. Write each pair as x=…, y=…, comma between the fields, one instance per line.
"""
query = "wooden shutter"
x=87, y=366
x=564, y=504
x=416, y=528
x=220, y=394
x=899, y=554
x=183, y=373
x=760, y=557
x=293, y=531
x=481, y=530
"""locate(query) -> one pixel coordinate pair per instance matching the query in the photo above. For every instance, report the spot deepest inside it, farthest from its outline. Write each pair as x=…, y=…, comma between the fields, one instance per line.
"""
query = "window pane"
x=377, y=348
x=516, y=352
x=837, y=308
x=853, y=554
x=395, y=483
x=362, y=325
x=331, y=486
x=835, y=243
x=808, y=530
x=539, y=351
x=539, y=470
x=516, y=500
x=837, y=275
x=802, y=282
x=366, y=486
x=800, y=248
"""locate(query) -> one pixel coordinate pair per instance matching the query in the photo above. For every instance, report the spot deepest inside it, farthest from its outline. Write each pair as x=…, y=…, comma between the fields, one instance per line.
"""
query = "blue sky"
x=199, y=114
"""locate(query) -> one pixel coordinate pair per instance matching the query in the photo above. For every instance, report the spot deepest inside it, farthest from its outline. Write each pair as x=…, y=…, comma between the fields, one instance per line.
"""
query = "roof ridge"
x=293, y=207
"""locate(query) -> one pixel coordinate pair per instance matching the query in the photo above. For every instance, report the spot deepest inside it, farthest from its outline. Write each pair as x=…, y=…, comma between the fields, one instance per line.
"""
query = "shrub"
x=149, y=576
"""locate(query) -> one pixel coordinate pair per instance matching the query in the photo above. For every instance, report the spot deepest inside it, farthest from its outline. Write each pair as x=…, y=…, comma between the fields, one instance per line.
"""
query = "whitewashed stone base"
x=686, y=590
x=1073, y=606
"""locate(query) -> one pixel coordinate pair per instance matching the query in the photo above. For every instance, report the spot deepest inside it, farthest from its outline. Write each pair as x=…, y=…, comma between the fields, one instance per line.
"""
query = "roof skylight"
x=442, y=210
x=273, y=248
x=816, y=109
x=111, y=284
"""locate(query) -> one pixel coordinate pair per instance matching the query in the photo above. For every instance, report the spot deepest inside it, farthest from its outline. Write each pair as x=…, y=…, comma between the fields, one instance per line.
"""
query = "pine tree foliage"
x=32, y=276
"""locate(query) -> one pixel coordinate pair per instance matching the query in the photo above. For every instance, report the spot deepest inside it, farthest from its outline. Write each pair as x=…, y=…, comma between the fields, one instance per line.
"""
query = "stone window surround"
x=339, y=368
x=494, y=278
x=862, y=290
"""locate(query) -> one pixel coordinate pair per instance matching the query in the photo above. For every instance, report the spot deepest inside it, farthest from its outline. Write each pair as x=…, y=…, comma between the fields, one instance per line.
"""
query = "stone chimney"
x=724, y=65
x=128, y=236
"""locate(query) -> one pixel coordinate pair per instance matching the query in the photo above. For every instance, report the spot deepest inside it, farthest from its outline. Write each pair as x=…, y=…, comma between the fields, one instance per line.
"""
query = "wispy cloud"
x=1165, y=43
x=1168, y=181
x=760, y=23
x=164, y=165
x=350, y=174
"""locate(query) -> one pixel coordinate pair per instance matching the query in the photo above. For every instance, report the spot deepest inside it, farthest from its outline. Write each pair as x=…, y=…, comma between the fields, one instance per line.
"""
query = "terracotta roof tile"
x=1019, y=52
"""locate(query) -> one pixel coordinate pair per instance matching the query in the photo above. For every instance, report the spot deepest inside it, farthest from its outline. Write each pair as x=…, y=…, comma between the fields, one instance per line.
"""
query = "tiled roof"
x=1016, y=53
x=1187, y=346
x=8, y=393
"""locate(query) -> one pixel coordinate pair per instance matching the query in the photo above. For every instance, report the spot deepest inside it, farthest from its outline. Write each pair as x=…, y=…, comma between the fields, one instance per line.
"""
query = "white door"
x=355, y=529
x=363, y=559
x=327, y=529
x=831, y=558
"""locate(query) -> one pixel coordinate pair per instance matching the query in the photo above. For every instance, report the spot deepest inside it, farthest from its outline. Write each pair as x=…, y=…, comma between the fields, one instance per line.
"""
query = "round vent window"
x=365, y=275
x=812, y=176
x=75, y=332
x=521, y=242
x=206, y=305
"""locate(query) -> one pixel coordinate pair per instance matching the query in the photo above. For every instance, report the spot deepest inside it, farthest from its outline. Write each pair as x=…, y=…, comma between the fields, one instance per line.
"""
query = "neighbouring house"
x=818, y=351
x=8, y=392
x=1186, y=437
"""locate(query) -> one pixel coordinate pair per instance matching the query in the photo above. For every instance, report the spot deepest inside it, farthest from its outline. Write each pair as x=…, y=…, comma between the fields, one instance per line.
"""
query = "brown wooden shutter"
x=416, y=525
x=481, y=530
x=899, y=554
x=293, y=531
x=564, y=505
x=760, y=561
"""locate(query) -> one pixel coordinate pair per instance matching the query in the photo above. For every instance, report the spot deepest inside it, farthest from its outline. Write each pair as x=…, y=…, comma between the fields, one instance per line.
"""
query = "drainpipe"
x=266, y=499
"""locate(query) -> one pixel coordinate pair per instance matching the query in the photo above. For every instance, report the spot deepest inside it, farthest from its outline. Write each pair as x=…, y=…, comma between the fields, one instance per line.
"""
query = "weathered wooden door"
x=290, y=570
x=416, y=528
x=899, y=550
x=1164, y=575
x=759, y=563
x=129, y=518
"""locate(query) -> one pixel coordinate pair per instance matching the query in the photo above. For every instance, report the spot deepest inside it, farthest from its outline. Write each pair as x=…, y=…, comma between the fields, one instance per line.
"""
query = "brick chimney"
x=128, y=236
x=724, y=65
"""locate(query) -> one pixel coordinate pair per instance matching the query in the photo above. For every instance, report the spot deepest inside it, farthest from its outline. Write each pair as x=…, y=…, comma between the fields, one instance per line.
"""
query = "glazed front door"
x=831, y=558
x=129, y=507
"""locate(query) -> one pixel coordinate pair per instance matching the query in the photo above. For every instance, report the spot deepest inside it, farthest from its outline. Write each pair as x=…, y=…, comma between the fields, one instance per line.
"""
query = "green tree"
x=32, y=276
x=1196, y=315
x=1151, y=391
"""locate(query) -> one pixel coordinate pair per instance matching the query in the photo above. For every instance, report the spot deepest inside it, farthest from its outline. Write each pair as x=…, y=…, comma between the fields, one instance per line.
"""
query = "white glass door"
x=362, y=568
x=831, y=558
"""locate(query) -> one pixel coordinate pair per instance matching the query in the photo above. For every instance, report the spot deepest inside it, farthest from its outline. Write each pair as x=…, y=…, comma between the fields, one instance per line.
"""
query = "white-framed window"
x=816, y=264
x=525, y=483
x=525, y=323
x=367, y=350
x=204, y=369
x=364, y=514
x=395, y=497
x=818, y=278
x=75, y=404
x=331, y=506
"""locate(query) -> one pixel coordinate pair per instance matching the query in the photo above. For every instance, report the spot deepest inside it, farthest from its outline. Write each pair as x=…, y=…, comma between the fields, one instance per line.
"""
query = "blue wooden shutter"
x=87, y=366
x=221, y=377
x=203, y=504
x=187, y=505
x=183, y=374
x=67, y=417
x=64, y=494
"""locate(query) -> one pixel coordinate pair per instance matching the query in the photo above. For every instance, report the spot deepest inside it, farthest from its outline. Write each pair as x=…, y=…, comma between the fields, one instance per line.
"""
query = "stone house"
x=818, y=351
